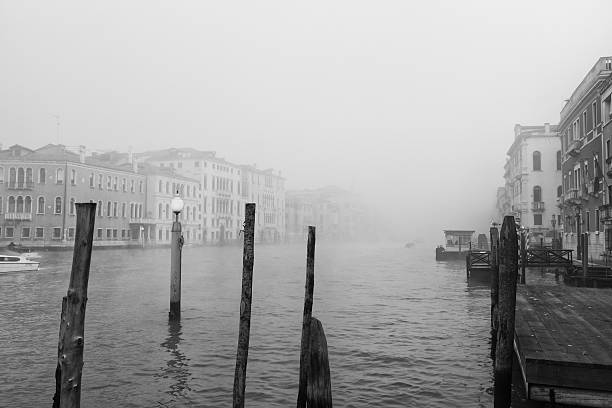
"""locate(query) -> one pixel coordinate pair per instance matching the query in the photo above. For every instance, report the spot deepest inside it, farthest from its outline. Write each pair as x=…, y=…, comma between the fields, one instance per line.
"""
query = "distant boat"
x=14, y=263
x=409, y=245
x=24, y=251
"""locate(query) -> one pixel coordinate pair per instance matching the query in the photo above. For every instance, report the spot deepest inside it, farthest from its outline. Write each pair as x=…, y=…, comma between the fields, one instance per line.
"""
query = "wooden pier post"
x=319, y=393
x=523, y=257
x=494, y=234
x=306, y=321
x=244, y=328
x=72, y=325
x=176, y=246
x=585, y=254
x=508, y=271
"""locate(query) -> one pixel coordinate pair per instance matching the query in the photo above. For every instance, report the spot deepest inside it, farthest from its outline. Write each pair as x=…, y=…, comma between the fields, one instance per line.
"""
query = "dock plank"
x=564, y=337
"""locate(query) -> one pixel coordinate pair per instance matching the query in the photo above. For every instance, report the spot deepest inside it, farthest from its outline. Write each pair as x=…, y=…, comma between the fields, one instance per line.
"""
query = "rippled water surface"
x=402, y=329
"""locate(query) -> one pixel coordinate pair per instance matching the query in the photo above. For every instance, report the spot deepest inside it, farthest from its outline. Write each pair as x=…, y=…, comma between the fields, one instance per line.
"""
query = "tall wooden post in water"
x=523, y=257
x=176, y=249
x=306, y=326
x=494, y=234
x=585, y=254
x=508, y=271
x=72, y=325
x=244, y=329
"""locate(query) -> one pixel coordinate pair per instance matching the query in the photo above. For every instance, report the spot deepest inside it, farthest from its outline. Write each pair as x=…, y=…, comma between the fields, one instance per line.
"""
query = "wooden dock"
x=563, y=341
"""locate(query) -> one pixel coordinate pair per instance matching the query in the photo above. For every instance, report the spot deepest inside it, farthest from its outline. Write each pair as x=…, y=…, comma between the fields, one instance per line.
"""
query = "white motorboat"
x=16, y=263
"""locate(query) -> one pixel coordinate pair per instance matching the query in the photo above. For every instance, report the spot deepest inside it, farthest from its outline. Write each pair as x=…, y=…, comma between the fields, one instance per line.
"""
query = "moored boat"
x=15, y=263
x=457, y=245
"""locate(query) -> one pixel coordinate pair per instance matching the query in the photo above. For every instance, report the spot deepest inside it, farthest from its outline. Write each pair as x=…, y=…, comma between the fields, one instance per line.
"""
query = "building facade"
x=532, y=175
x=40, y=187
x=220, y=199
x=265, y=188
x=162, y=185
x=584, y=184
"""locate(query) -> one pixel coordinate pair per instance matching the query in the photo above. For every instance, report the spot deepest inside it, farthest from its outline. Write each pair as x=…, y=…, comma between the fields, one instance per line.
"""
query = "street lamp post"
x=176, y=247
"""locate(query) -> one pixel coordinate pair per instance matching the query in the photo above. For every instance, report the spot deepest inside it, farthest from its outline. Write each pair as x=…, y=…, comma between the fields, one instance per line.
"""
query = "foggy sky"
x=411, y=104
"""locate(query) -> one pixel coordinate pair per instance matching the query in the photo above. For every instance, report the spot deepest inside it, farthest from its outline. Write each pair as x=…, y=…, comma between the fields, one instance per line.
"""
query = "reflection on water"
x=402, y=329
x=176, y=368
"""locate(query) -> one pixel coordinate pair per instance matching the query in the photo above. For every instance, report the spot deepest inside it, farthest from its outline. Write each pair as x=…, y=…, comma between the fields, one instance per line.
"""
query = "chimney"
x=547, y=128
x=82, y=153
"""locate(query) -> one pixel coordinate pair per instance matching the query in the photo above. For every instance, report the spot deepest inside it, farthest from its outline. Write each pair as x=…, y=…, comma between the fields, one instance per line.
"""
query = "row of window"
x=196, y=163
x=36, y=233
x=184, y=190
x=22, y=204
x=571, y=222
x=188, y=213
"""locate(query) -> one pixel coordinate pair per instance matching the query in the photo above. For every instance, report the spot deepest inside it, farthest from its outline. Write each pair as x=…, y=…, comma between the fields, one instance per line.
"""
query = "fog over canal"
x=402, y=330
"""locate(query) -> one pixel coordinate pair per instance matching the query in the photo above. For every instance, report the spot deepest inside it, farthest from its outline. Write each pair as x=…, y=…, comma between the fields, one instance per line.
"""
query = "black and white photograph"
x=271, y=204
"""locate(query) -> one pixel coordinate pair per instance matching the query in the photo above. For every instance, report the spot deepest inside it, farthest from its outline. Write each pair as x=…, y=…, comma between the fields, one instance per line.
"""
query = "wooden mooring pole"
x=306, y=320
x=72, y=325
x=245, y=306
x=176, y=247
x=494, y=234
x=523, y=257
x=508, y=271
x=319, y=379
x=585, y=254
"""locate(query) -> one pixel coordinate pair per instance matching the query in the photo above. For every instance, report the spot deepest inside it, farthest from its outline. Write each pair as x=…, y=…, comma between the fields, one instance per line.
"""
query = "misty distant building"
x=40, y=188
x=532, y=176
x=586, y=158
x=502, y=202
x=337, y=213
x=265, y=188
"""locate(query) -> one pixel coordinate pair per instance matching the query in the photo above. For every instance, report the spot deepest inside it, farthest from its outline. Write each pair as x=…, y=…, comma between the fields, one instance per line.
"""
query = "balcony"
x=18, y=216
x=574, y=148
x=537, y=206
x=606, y=214
x=20, y=185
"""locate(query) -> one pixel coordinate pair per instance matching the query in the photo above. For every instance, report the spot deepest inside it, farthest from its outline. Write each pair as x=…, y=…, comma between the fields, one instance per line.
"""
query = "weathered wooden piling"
x=176, y=249
x=508, y=271
x=494, y=234
x=319, y=394
x=306, y=321
x=585, y=254
x=523, y=257
x=72, y=325
x=245, y=306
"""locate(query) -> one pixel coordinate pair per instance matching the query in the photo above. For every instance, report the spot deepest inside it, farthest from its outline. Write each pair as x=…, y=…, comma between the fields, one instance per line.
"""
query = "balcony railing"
x=18, y=216
x=574, y=148
x=537, y=206
x=572, y=194
x=20, y=185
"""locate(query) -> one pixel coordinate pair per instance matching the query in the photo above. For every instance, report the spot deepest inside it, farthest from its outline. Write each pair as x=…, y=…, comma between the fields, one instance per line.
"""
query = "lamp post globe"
x=177, y=204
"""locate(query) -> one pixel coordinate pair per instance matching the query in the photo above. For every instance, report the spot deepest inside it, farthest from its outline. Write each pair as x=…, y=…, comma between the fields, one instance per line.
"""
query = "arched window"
x=28, y=205
x=109, y=210
x=41, y=205
x=73, y=177
x=42, y=175
x=58, y=205
x=537, y=160
x=558, y=159
x=1, y=175
x=60, y=176
x=167, y=211
x=19, y=204
x=12, y=177
x=72, y=206
x=131, y=210
x=11, y=204
x=123, y=210
x=537, y=194
x=159, y=209
x=91, y=180
x=1, y=209
x=559, y=191
x=20, y=177
x=139, y=210
x=100, y=209
x=29, y=177
x=160, y=186
x=167, y=186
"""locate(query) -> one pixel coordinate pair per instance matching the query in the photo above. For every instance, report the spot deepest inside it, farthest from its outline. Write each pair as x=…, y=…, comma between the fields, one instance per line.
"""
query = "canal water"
x=402, y=329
